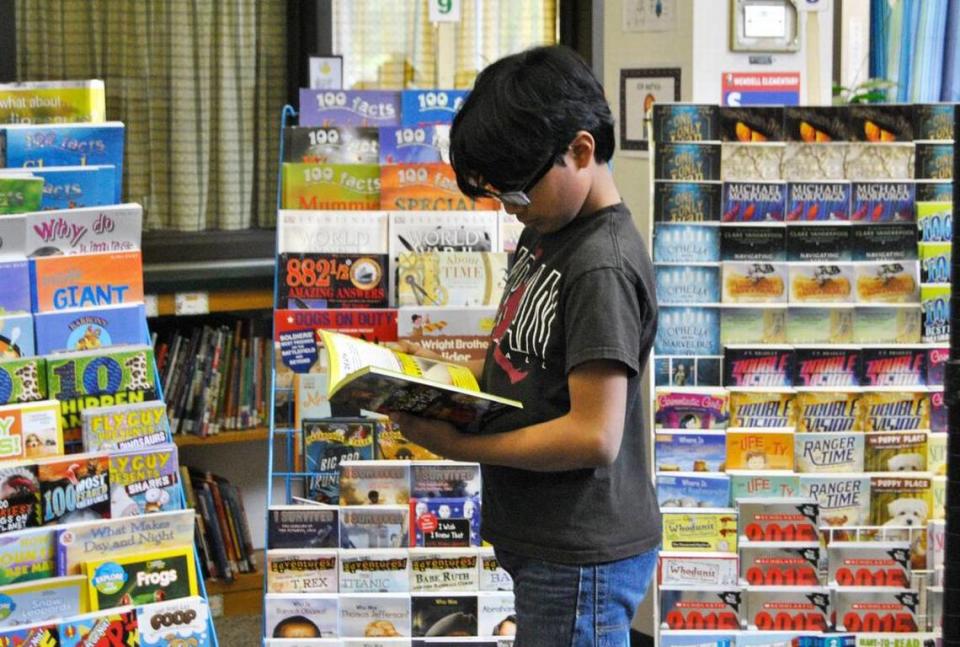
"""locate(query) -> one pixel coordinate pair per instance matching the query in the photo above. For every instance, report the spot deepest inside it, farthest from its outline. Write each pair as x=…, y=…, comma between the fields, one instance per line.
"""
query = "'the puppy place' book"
x=376, y=378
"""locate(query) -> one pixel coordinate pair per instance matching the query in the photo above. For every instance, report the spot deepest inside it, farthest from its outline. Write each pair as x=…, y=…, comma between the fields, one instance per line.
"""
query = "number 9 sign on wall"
x=444, y=10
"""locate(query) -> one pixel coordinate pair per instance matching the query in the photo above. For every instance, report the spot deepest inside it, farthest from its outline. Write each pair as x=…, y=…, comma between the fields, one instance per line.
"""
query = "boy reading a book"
x=567, y=496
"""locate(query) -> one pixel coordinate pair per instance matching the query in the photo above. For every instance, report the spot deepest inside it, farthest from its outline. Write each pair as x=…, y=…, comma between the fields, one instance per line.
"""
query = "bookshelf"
x=241, y=597
x=227, y=438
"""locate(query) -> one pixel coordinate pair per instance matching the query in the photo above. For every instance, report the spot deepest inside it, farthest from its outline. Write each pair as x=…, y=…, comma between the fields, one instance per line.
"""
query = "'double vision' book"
x=376, y=378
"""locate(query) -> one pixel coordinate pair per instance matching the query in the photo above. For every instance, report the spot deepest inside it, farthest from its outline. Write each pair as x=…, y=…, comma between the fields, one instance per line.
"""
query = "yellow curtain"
x=199, y=86
x=391, y=44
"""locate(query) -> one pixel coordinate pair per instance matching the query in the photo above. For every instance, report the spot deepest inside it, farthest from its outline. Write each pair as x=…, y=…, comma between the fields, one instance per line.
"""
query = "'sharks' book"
x=376, y=378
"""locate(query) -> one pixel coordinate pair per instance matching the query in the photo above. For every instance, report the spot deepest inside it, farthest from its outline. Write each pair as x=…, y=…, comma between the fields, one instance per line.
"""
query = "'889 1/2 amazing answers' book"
x=376, y=378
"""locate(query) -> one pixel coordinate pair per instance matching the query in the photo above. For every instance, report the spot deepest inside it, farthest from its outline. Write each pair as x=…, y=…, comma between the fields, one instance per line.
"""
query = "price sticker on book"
x=445, y=10
x=151, y=305
x=191, y=303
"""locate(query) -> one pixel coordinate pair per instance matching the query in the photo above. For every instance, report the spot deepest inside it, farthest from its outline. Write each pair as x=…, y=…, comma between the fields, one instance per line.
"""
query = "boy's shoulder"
x=608, y=240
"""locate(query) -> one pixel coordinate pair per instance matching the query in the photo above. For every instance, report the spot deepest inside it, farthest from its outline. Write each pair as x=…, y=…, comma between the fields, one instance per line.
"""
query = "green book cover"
x=20, y=194
x=331, y=186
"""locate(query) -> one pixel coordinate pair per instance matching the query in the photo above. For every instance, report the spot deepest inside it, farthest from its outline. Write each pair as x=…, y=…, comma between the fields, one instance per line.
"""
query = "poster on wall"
x=639, y=90
x=649, y=15
x=761, y=88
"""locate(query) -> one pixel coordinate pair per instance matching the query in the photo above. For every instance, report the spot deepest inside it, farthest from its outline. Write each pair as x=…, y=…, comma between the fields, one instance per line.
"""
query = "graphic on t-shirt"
x=526, y=314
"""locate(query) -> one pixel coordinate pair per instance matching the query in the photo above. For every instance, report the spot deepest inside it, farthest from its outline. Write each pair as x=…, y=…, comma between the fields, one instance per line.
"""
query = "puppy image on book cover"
x=375, y=378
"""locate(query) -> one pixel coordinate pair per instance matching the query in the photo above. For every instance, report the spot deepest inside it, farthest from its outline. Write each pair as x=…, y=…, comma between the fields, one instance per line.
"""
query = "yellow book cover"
x=52, y=102
x=354, y=187
x=894, y=410
x=376, y=378
x=143, y=578
x=827, y=410
x=31, y=430
x=766, y=408
x=759, y=449
x=901, y=502
x=451, y=278
x=705, y=530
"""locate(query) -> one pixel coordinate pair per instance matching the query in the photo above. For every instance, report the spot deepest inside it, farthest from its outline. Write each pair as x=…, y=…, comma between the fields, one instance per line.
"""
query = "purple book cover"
x=15, y=295
x=883, y=202
x=87, y=329
x=936, y=365
x=349, y=108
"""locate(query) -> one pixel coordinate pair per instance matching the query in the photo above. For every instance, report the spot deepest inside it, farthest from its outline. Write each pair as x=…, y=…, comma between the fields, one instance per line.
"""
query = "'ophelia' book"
x=376, y=378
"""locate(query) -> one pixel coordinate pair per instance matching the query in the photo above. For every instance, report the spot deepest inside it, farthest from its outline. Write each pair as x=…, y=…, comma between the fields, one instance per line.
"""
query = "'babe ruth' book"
x=935, y=262
x=15, y=297
x=374, y=526
x=114, y=228
x=818, y=201
x=934, y=161
x=830, y=366
x=887, y=324
x=80, y=543
x=41, y=601
x=374, y=571
x=497, y=614
x=376, y=378
x=702, y=530
x=843, y=499
x=687, y=331
x=780, y=563
x=164, y=623
x=693, y=490
x=754, y=201
x=795, y=608
x=31, y=430
x=419, y=107
x=343, y=232
x=753, y=324
x=770, y=366
x=75, y=489
x=694, y=607
x=883, y=201
x=349, y=108
x=373, y=483
x=768, y=484
x=690, y=162
x=753, y=242
x=451, y=278
x=816, y=324
x=89, y=328
x=493, y=577
x=331, y=280
x=300, y=615
x=935, y=221
x=20, y=192
x=760, y=449
x=821, y=282
x=302, y=570
x=689, y=451
x=457, y=334
x=879, y=609
x=428, y=144
x=125, y=426
x=382, y=615
x=84, y=280
x=689, y=409
x=687, y=284
x=295, y=527
x=869, y=564
x=685, y=243
x=751, y=123
x=143, y=578
x=450, y=570
x=321, y=187
x=685, y=122
x=331, y=145
x=686, y=202
x=145, y=481
x=821, y=452
x=778, y=520
x=695, y=569
x=754, y=282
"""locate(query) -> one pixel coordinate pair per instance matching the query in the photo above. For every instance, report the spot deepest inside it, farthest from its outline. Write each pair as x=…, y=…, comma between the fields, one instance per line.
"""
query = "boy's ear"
x=583, y=147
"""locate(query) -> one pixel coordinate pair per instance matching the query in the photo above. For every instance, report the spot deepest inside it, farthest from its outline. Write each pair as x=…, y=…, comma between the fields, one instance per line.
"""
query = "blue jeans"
x=559, y=605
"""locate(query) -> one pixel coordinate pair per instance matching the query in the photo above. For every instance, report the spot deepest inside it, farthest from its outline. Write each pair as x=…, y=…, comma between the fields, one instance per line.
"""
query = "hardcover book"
x=73, y=187
x=321, y=280
x=349, y=108
x=818, y=201
x=451, y=278
x=28, y=555
x=331, y=145
x=457, y=334
x=894, y=410
x=778, y=520
x=887, y=324
x=341, y=232
x=301, y=616
x=934, y=161
x=765, y=408
x=52, y=101
x=749, y=366
x=419, y=107
x=374, y=571
x=681, y=569
x=125, y=426
x=693, y=490
x=754, y=201
x=164, y=623
x=821, y=452
x=900, y=501
x=75, y=489
x=414, y=145
x=814, y=324
x=843, y=499
x=89, y=328
x=115, y=581
x=780, y=563
x=685, y=122
x=444, y=615
x=427, y=187
x=834, y=366
x=890, y=242
x=86, y=281
x=897, y=366
x=685, y=243
x=805, y=608
x=374, y=527
x=869, y=564
x=760, y=449
x=451, y=570
x=690, y=451
x=708, y=530
x=687, y=202
x=16, y=336
x=811, y=162
x=760, y=324
x=80, y=543
x=145, y=481
x=897, y=282
x=41, y=601
x=753, y=162
x=687, y=162
x=374, y=483
x=687, y=284
x=688, y=409
x=881, y=123
x=760, y=282
x=20, y=193
x=753, y=243
x=445, y=522
x=297, y=527
x=688, y=331
x=20, y=506
x=886, y=609
x=818, y=124
x=302, y=570
x=328, y=442
x=821, y=282
x=883, y=202
x=827, y=410
x=114, y=228
x=751, y=123
x=690, y=607
x=935, y=262
x=382, y=615
x=330, y=186
x=820, y=243
x=30, y=430
x=872, y=161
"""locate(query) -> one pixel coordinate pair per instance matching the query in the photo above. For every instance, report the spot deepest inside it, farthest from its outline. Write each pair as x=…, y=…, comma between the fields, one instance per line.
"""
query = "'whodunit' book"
x=376, y=378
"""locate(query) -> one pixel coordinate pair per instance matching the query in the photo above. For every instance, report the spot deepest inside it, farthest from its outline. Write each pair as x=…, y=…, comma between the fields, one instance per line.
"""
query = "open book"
x=379, y=379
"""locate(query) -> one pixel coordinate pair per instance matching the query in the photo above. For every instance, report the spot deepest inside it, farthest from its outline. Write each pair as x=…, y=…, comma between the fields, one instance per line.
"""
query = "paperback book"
x=43, y=600
x=934, y=161
x=86, y=281
x=451, y=278
x=119, y=625
x=693, y=490
x=74, y=187
x=692, y=607
x=843, y=499
x=827, y=411
x=869, y=564
x=426, y=187
x=457, y=334
x=749, y=366
x=754, y=201
x=935, y=309
x=803, y=608
x=901, y=451
x=688, y=409
x=321, y=187
x=301, y=616
x=780, y=563
x=889, y=242
x=383, y=615
x=687, y=284
x=331, y=280
x=685, y=243
x=374, y=483
x=28, y=555
x=753, y=324
x=444, y=479
x=145, y=481
x=341, y=232
x=751, y=123
x=695, y=569
x=31, y=430
x=349, y=108
x=760, y=449
x=685, y=122
x=883, y=201
x=451, y=570
x=419, y=107
x=818, y=201
x=295, y=527
x=690, y=451
x=815, y=324
x=688, y=331
x=883, y=609
x=762, y=408
x=897, y=282
x=493, y=577
x=444, y=615
x=52, y=102
x=752, y=162
x=445, y=522
x=753, y=242
x=20, y=193
x=497, y=615
x=115, y=581
x=186, y=620
x=778, y=520
x=935, y=221
x=754, y=282
x=821, y=282
x=16, y=293
x=327, y=443
x=374, y=571
x=302, y=570
x=691, y=162
x=769, y=484
x=331, y=145
x=20, y=506
x=687, y=202
x=428, y=144
x=829, y=452
x=887, y=324
x=16, y=336
x=364, y=527
x=89, y=328
x=705, y=530
x=935, y=262
x=125, y=426
x=75, y=489
x=836, y=367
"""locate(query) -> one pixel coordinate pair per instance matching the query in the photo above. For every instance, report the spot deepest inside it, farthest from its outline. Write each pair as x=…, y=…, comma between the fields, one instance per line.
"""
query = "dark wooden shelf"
x=246, y=436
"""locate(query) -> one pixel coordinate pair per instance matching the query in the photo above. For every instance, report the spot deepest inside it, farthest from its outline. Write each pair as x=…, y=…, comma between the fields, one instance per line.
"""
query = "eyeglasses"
x=521, y=198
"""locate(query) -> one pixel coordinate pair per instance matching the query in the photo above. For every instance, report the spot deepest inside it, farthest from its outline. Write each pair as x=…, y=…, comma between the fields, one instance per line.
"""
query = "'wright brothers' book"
x=376, y=378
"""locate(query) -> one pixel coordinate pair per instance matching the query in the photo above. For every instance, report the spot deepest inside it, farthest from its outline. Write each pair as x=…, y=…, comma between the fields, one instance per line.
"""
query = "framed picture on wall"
x=639, y=89
x=326, y=72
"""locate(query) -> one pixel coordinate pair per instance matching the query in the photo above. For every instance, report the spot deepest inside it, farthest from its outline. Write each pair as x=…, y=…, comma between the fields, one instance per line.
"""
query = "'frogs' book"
x=145, y=481
x=89, y=328
x=141, y=579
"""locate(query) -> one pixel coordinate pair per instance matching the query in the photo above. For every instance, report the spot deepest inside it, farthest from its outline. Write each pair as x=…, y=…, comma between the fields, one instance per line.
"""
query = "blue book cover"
x=690, y=451
x=15, y=295
x=326, y=444
x=419, y=107
x=818, y=201
x=883, y=202
x=688, y=331
x=67, y=145
x=419, y=145
x=16, y=336
x=70, y=187
x=696, y=639
x=688, y=284
x=693, y=490
x=349, y=107
x=445, y=522
x=754, y=201
x=682, y=243
x=87, y=329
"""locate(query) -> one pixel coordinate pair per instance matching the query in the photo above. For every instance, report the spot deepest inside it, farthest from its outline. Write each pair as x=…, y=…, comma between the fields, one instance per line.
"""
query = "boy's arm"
x=588, y=436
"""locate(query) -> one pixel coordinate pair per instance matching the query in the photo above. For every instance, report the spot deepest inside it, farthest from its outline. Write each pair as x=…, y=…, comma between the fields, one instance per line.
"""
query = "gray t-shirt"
x=583, y=293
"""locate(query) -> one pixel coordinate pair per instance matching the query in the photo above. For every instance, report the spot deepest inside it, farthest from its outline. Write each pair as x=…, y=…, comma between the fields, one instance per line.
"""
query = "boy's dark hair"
x=522, y=109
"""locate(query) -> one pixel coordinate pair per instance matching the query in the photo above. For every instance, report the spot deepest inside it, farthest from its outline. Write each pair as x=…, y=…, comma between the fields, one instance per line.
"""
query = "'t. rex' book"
x=378, y=379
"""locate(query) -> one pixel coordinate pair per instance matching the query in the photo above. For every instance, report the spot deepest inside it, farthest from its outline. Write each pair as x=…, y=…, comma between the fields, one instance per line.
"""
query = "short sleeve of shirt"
x=603, y=319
